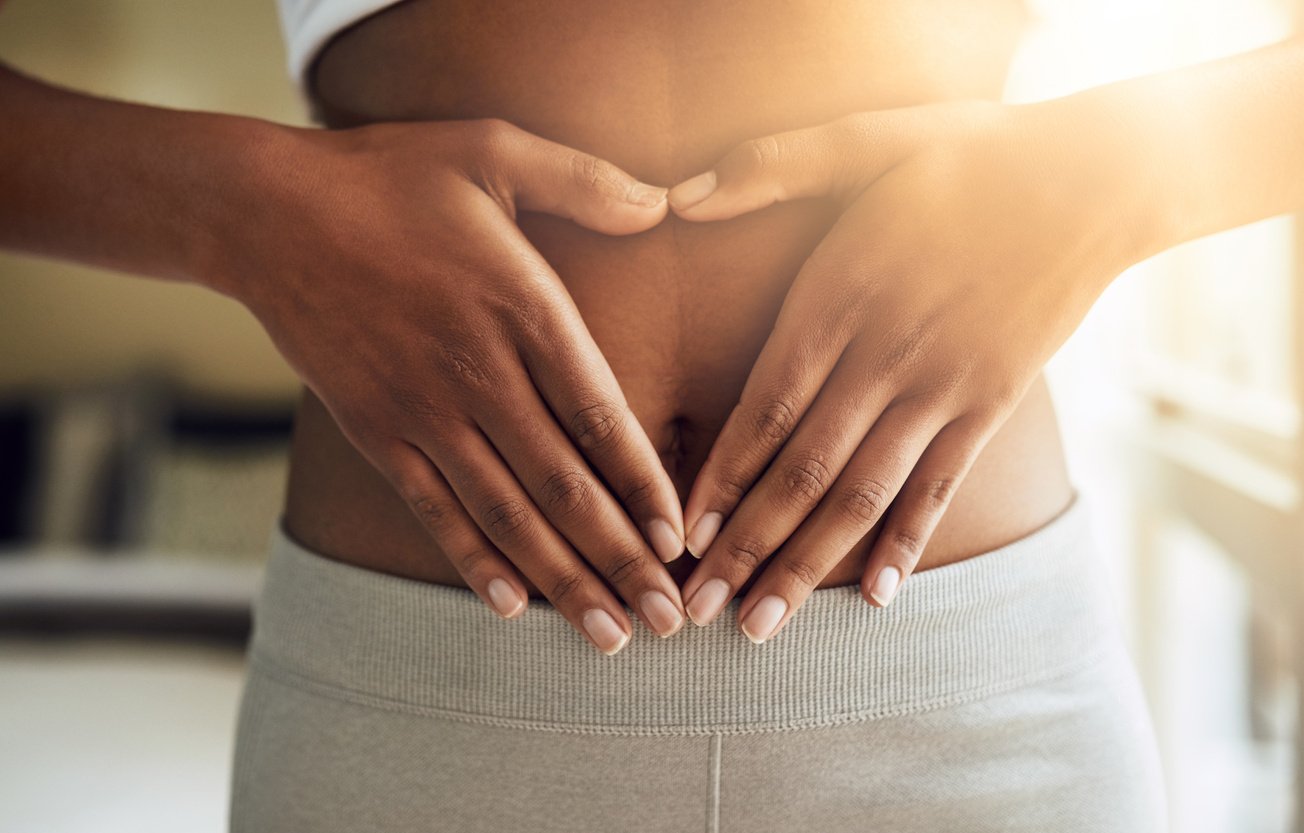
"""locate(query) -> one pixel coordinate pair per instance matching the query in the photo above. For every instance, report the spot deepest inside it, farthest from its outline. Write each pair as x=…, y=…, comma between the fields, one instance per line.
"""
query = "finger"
x=836, y=159
x=883, y=459
x=526, y=171
x=923, y=500
x=786, y=378
x=794, y=484
x=486, y=571
x=509, y=519
x=578, y=505
x=573, y=377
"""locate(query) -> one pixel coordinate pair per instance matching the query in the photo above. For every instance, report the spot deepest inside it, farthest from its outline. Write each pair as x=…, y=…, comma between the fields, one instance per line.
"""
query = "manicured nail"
x=604, y=631
x=885, y=585
x=667, y=545
x=692, y=191
x=703, y=533
x=708, y=601
x=646, y=195
x=762, y=619
x=660, y=612
x=505, y=599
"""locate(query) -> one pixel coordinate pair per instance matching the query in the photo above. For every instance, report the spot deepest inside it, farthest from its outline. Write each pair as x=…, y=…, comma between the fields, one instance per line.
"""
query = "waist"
x=1019, y=613
x=680, y=312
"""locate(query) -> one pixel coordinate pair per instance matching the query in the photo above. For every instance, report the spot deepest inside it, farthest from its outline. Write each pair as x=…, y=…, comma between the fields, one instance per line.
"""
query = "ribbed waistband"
x=1032, y=609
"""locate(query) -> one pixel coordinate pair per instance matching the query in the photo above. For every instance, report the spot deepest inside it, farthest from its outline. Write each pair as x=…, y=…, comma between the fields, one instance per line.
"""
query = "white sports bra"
x=308, y=24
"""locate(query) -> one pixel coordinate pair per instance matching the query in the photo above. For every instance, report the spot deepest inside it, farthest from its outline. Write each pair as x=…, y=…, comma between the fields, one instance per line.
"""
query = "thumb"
x=536, y=174
x=838, y=159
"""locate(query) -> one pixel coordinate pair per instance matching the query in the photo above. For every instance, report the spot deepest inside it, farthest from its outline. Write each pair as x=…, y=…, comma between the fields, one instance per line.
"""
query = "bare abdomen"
x=681, y=311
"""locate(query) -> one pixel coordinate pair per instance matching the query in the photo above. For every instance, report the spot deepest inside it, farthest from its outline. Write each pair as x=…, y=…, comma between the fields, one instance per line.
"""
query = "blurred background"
x=144, y=429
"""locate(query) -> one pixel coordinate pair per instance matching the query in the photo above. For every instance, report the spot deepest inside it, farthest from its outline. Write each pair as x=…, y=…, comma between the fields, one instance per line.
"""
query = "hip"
x=994, y=694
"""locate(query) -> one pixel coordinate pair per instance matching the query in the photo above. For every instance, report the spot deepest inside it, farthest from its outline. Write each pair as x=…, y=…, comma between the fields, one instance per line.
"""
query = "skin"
x=682, y=309
x=487, y=220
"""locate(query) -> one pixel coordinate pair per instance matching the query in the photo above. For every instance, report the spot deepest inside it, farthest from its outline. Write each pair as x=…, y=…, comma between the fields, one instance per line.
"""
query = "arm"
x=385, y=265
x=1207, y=147
x=123, y=186
x=974, y=238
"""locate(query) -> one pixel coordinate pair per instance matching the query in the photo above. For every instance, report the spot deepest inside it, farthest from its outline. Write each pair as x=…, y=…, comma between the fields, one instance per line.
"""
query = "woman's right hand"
x=385, y=264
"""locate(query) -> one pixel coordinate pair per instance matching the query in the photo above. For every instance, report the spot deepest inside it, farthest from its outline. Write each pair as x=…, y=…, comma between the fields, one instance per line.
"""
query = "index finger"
x=791, y=369
x=575, y=380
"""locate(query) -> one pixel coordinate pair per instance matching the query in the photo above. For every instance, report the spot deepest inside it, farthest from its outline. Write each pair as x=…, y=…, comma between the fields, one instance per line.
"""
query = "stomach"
x=663, y=89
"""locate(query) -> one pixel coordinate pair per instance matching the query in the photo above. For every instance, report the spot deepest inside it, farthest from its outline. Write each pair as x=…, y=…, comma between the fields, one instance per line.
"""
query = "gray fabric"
x=993, y=694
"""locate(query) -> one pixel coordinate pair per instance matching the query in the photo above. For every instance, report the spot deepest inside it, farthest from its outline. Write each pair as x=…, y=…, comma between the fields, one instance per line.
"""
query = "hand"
x=386, y=266
x=973, y=240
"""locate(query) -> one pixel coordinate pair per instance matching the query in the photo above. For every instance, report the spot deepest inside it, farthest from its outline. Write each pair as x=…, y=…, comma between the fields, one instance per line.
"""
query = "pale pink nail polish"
x=761, y=620
x=885, y=585
x=665, y=543
x=692, y=191
x=703, y=533
x=646, y=195
x=660, y=612
x=604, y=631
x=504, y=598
x=708, y=601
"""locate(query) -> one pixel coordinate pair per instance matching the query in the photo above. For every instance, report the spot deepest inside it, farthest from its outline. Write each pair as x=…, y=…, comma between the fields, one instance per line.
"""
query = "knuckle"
x=731, y=483
x=420, y=405
x=490, y=145
x=595, y=174
x=746, y=553
x=623, y=568
x=907, y=541
x=430, y=510
x=760, y=155
x=638, y=494
x=564, y=585
x=464, y=367
x=596, y=425
x=519, y=309
x=506, y=519
x=905, y=348
x=939, y=490
x=1004, y=398
x=492, y=135
x=566, y=491
x=774, y=419
x=806, y=480
x=801, y=572
x=865, y=500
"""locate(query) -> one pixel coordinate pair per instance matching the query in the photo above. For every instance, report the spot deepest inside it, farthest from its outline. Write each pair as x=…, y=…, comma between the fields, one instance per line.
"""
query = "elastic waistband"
x=1032, y=609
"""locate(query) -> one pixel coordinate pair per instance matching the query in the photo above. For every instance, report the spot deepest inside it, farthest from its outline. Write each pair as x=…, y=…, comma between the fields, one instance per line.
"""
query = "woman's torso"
x=663, y=89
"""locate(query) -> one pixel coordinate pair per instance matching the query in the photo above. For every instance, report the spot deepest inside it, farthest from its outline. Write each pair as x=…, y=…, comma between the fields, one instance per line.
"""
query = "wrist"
x=240, y=183
x=1099, y=149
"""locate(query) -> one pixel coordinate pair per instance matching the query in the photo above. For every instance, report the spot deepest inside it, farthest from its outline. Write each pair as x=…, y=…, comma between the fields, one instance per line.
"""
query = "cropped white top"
x=308, y=24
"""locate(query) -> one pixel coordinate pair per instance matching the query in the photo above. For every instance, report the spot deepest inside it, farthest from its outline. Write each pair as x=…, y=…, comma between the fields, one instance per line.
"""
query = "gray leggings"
x=993, y=695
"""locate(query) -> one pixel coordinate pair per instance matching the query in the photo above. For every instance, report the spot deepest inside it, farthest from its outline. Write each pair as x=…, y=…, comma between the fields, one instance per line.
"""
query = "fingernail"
x=692, y=191
x=647, y=195
x=604, y=631
x=708, y=601
x=665, y=542
x=704, y=533
x=761, y=620
x=660, y=612
x=885, y=585
x=505, y=599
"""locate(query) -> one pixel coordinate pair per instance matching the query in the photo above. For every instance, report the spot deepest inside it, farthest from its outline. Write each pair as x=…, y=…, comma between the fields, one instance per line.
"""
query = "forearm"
x=141, y=189
x=1200, y=149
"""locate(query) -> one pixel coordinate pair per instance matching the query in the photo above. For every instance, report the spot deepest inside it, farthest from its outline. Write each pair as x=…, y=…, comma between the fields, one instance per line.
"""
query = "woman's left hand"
x=974, y=238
